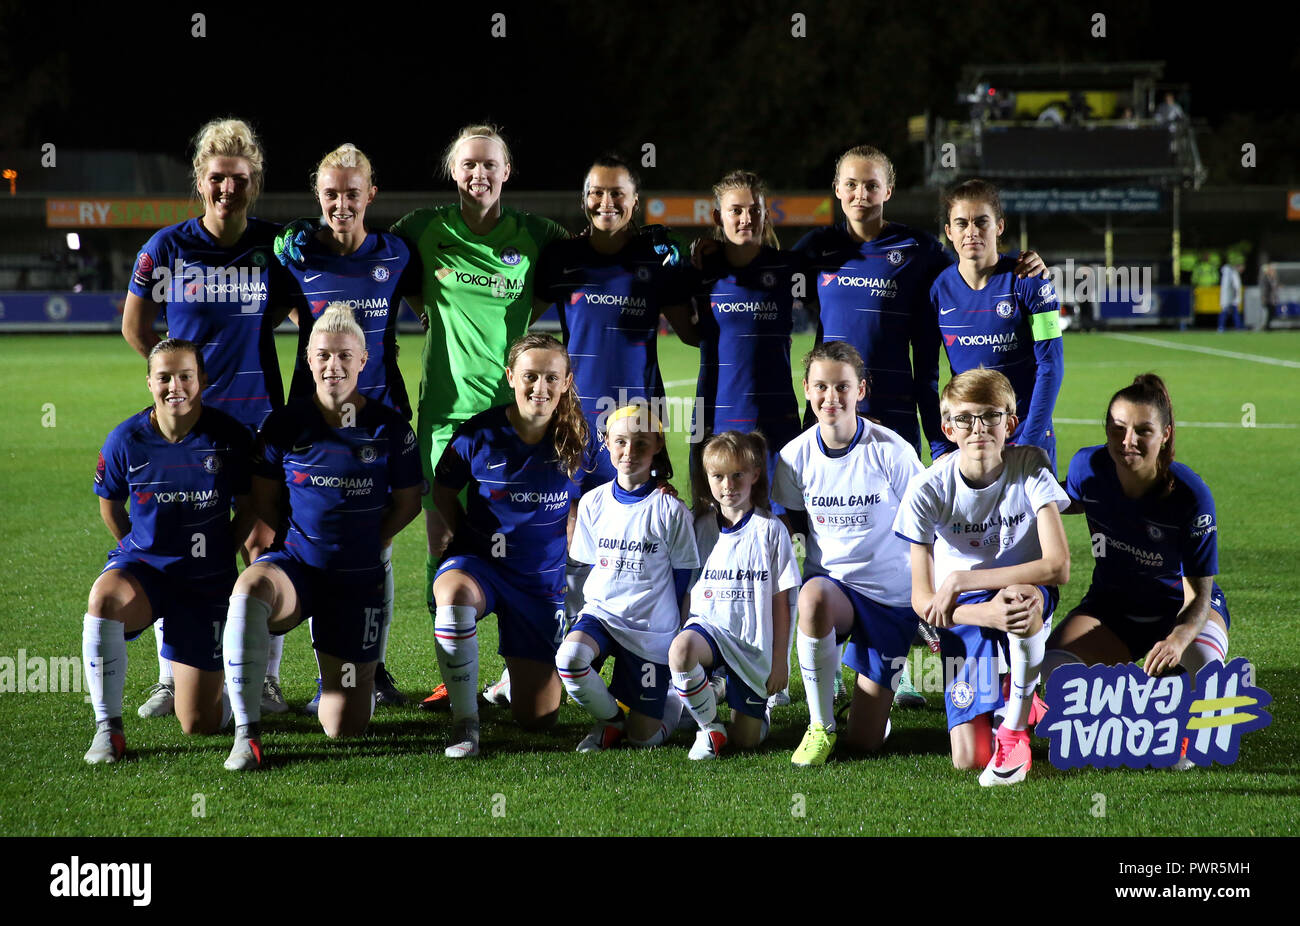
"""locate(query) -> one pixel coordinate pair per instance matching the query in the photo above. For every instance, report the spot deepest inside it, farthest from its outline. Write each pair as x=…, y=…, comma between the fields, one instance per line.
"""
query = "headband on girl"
x=649, y=423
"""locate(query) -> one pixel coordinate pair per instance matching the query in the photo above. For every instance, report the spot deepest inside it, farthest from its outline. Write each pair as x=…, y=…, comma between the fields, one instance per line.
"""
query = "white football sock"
x=694, y=689
x=1210, y=645
x=1026, y=665
x=583, y=683
x=245, y=643
x=103, y=656
x=274, y=651
x=165, y=675
x=455, y=634
x=386, y=557
x=819, y=663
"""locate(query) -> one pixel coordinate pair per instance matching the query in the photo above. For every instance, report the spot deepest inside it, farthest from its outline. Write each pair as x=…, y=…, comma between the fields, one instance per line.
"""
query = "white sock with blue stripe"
x=1210, y=645
x=695, y=690
x=455, y=634
x=583, y=683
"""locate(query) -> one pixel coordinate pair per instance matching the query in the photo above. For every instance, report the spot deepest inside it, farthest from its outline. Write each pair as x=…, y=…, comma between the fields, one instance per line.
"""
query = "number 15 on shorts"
x=374, y=623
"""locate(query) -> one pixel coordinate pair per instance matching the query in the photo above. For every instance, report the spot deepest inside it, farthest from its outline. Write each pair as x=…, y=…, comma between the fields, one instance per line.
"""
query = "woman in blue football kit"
x=181, y=465
x=371, y=271
x=210, y=278
x=609, y=286
x=214, y=281
x=989, y=317
x=505, y=552
x=350, y=469
x=745, y=320
x=1155, y=540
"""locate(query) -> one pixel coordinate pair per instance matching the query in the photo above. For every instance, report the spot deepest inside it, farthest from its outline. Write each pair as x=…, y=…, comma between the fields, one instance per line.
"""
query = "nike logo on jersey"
x=308, y=279
x=303, y=449
x=443, y=247
x=132, y=469
x=947, y=311
x=572, y=269
x=496, y=465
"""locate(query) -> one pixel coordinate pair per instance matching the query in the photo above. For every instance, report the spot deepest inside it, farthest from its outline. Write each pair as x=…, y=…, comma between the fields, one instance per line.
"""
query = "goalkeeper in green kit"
x=479, y=260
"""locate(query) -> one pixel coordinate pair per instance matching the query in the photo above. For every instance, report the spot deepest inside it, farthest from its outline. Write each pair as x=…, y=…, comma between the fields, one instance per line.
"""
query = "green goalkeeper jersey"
x=478, y=294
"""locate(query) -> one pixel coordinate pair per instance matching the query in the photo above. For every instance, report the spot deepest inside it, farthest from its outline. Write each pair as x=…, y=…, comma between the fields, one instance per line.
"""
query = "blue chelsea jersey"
x=372, y=281
x=338, y=480
x=179, y=494
x=746, y=316
x=518, y=501
x=609, y=307
x=1147, y=544
x=219, y=298
x=873, y=295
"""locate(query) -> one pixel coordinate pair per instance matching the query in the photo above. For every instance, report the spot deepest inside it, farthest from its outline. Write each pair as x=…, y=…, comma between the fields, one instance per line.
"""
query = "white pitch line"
x=1192, y=424
x=1213, y=351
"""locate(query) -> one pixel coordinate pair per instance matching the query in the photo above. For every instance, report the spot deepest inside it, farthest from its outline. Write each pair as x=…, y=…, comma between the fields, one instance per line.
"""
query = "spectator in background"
x=1051, y=115
x=1080, y=109
x=1230, y=294
x=1128, y=119
x=1269, y=295
x=1169, y=111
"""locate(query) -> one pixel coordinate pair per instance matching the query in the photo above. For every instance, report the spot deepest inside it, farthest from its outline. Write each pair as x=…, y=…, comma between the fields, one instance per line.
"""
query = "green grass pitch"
x=62, y=394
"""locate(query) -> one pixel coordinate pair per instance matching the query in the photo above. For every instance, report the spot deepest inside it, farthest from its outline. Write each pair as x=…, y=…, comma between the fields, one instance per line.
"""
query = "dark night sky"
x=708, y=83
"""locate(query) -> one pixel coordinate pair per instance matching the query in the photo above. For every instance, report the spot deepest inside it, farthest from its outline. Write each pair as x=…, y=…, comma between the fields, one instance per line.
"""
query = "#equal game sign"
x=1111, y=716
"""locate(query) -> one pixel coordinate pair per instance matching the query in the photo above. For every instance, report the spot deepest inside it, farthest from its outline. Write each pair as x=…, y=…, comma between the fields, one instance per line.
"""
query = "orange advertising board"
x=119, y=213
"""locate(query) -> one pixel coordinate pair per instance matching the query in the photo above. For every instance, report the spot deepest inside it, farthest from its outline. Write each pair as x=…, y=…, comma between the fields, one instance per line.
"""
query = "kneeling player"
x=985, y=522
x=351, y=469
x=1153, y=593
x=505, y=554
x=849, y=475
x=642, y=549
x=181, y=465
x=739, y=609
